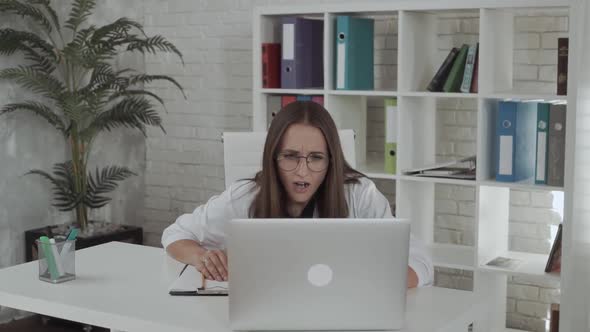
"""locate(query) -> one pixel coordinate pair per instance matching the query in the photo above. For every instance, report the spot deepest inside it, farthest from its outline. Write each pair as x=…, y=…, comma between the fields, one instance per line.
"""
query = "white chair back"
x=242, y=153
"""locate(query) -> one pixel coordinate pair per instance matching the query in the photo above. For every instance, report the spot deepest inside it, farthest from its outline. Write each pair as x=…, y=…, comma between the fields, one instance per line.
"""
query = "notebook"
x=189, y=282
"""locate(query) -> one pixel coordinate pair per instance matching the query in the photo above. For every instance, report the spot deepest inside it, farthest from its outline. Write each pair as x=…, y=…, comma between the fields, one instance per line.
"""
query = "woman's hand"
x=213, y=265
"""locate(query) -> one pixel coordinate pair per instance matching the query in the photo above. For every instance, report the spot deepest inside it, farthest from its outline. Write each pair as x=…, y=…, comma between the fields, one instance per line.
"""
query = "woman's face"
x=302, y=177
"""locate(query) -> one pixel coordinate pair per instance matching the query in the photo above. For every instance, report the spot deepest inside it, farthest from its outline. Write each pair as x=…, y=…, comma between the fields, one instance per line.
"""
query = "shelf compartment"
x=271, y=31
x=385, y=46
x=453, y=256
x=532, y=265
x=518, y=57
x=426, y=38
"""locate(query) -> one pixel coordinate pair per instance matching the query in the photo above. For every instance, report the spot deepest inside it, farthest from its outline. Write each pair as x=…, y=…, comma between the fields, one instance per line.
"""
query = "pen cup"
x=57, y=260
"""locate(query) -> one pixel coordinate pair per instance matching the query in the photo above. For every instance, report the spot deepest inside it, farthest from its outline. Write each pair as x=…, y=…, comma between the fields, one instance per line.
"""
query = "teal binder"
x=354, y=53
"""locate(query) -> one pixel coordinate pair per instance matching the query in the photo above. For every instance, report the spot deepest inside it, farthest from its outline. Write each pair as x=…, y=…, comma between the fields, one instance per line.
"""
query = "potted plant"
x=70, y=66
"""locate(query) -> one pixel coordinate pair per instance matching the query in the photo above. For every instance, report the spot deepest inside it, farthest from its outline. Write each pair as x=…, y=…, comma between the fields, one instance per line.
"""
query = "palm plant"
x=82, y=93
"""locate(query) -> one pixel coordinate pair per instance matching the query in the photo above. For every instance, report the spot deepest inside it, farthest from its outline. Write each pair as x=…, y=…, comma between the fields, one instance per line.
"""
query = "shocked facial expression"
x=302, y=161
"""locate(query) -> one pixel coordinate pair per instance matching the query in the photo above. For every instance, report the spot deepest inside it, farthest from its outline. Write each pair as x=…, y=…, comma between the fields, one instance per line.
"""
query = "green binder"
x=391, y=124
x=455, y=78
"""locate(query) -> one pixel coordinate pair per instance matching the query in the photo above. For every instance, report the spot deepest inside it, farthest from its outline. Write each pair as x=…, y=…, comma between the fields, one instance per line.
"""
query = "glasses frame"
x=281, y=156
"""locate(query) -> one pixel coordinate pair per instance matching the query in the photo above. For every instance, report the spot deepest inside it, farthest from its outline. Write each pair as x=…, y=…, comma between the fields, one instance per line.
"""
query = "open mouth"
x=302, y=185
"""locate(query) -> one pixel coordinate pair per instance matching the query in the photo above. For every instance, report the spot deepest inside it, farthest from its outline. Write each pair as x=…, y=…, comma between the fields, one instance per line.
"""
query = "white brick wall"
x=185, y=167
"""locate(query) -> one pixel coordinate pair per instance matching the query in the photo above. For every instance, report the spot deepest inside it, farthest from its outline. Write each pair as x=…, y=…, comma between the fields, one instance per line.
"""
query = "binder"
x=302, y=63
x=271, y=65
x=391, y=123
x=515, y=141
x=318, y=99
x=287, y=99
x=354, y=53
x=469, y=68
x=437, y=82
x=562, y=56
x=453, y=82
x=475, y=71
x=542, y=139
x=556, y=150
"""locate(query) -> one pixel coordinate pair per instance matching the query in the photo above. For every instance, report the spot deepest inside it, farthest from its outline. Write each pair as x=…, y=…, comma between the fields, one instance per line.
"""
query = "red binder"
x=287, y=99
x=271, y=65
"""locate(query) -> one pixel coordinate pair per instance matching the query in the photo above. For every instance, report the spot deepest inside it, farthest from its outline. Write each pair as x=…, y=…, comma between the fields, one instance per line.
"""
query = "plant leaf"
x=13, y=40
x=39, y=109
x=65, y=197
x=154, y=44
x=35, y=80
x=131, y=112
x=81, y=9
x=128, y=93
x=47, y=6
x=104, y=182
x=26, y=10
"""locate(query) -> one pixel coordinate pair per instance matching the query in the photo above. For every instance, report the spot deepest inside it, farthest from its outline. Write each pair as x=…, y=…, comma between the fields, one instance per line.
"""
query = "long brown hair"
x=271, y=199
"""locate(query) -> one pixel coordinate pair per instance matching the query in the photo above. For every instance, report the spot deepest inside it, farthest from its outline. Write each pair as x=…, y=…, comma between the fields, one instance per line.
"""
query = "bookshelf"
x=412, y=43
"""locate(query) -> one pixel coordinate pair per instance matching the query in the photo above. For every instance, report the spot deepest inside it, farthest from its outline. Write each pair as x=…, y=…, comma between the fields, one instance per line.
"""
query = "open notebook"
x=189, y=282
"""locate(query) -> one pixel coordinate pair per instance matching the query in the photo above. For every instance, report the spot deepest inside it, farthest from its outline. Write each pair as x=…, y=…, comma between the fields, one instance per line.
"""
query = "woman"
x=304, y=174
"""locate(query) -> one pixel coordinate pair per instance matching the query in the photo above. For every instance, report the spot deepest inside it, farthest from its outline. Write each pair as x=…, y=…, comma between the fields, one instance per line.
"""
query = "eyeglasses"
x=316, y=161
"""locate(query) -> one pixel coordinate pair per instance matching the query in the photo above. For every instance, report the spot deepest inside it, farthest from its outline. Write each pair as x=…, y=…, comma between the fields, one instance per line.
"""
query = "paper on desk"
x=190, y=281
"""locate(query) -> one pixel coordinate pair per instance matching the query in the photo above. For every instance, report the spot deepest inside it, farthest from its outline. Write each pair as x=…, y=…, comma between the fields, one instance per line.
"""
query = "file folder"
x=542, y=140
x=515, y=141
x=556, y=150
x=271, y=65
x=391, y=123
x=302, y=63
x=354, y=53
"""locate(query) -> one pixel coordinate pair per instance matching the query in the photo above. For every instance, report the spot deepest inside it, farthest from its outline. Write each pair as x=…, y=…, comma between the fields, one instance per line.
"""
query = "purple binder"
x=302, y=63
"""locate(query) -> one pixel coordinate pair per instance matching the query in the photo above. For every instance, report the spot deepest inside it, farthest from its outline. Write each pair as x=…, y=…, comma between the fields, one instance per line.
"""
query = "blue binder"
x=354, y=53
x=515, y=141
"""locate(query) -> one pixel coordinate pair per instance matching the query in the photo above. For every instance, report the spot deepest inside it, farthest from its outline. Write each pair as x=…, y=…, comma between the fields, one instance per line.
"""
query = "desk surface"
x=124, y=287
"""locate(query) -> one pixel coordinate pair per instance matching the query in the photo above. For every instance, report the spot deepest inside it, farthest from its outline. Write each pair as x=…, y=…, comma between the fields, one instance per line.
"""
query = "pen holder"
x=57, y=261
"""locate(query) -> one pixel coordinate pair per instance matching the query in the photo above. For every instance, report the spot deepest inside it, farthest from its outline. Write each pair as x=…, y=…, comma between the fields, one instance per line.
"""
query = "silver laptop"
x=317, y=274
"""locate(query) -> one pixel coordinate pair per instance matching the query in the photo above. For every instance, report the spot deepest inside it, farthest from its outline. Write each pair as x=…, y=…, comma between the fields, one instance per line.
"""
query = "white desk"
x=124, y=287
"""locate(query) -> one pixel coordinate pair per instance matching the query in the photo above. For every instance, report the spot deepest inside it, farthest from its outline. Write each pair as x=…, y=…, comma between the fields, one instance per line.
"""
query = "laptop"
x=317, y=274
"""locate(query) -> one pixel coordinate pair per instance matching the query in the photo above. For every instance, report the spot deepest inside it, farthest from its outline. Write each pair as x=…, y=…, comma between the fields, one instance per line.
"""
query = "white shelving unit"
x=417, y=61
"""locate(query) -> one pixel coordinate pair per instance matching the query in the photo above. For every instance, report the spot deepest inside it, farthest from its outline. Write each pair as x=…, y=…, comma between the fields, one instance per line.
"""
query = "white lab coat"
x=207, y=223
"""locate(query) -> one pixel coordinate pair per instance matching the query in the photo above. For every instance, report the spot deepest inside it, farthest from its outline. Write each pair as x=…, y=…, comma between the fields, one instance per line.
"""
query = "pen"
x=46, y=247
x=57, y=258
x=203, y=281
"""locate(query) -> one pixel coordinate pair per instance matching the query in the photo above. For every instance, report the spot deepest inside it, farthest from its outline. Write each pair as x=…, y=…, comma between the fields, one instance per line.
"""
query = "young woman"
x=304, y=174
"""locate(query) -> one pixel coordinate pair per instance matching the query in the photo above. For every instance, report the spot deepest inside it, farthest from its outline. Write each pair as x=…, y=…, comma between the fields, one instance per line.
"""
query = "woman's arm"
x=195, y=238
x=412, y=278
x=211, y=263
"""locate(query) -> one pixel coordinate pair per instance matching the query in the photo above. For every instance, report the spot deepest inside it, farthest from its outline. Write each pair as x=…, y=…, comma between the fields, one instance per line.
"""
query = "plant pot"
x=97, y=233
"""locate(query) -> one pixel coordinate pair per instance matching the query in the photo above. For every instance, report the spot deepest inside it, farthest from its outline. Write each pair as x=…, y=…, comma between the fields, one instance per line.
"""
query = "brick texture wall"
x=185, y=167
